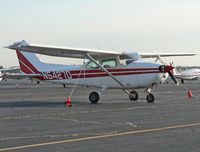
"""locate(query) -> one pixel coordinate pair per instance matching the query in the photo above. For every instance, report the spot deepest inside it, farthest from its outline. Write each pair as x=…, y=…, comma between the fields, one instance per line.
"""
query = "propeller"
x=169, y=69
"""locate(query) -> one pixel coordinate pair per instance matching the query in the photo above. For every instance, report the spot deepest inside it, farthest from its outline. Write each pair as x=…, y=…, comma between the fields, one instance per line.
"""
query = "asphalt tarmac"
x=34, y=118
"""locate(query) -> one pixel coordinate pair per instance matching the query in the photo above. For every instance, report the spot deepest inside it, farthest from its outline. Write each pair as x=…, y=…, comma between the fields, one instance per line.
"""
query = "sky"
x=122, y=25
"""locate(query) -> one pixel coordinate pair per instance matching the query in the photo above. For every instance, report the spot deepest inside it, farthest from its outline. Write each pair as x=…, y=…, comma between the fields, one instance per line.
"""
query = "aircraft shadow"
x=29, y=104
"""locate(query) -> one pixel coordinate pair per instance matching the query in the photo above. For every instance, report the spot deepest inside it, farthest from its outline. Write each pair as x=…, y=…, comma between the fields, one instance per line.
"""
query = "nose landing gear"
x=150, y=98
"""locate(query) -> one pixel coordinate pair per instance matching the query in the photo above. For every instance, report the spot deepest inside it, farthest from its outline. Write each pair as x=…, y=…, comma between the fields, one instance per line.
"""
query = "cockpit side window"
x=109, y=63
x=106, y=63
x=91, y=65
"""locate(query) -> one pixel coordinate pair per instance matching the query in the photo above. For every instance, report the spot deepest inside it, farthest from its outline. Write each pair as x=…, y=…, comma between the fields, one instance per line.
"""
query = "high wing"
x=61, y=51
x=82, y=53
x=155, y=55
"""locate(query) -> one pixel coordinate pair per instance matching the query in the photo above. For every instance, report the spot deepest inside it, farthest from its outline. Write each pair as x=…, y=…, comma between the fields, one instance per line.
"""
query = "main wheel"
x=134, y=95
x=150, y=98
x=94, y=97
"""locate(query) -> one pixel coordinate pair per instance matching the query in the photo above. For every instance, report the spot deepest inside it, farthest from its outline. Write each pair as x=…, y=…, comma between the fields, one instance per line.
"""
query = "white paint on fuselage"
x=133, y=81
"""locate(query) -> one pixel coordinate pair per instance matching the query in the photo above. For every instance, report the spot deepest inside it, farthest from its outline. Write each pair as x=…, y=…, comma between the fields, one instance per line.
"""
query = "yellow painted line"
x=100, y=136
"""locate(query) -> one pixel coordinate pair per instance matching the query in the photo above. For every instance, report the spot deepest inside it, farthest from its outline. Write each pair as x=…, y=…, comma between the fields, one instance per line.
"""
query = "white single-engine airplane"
x=190, y=74
x=104, y=69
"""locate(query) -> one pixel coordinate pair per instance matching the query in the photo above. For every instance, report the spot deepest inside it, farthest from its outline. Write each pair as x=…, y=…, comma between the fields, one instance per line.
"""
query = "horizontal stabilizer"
x=18, y=76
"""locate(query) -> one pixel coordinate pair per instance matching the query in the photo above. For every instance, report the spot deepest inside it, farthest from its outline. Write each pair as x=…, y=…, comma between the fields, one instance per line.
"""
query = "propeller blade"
x=168, y=69
x=173, y=77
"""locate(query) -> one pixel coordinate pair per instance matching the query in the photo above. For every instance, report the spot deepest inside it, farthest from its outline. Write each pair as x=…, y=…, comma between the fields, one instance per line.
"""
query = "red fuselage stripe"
x=114, y=70
x=114, y=74
x=94, y=74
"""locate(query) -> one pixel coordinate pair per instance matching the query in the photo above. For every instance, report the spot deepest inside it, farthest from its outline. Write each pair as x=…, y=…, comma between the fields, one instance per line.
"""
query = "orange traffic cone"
x=190, y=95
x=68, y=102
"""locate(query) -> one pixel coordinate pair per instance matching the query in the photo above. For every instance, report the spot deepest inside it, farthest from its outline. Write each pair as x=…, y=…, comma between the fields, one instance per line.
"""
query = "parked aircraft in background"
x=103, y=69
x=190, y=74
x=14, y=69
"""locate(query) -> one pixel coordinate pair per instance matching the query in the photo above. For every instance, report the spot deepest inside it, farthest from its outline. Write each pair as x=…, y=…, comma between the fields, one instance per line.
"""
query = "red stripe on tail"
x=25, y=65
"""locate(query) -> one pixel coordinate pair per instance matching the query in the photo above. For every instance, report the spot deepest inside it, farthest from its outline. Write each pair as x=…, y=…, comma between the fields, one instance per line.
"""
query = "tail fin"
x=29, y=62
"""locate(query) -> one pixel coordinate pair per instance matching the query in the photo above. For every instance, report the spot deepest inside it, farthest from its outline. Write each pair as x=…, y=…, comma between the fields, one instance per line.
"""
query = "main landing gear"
x=150, y=98
x=133, y=96
x=94, y=97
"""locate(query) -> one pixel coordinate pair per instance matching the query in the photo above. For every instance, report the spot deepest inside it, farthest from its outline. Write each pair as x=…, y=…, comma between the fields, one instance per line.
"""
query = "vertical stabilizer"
x=29, y=62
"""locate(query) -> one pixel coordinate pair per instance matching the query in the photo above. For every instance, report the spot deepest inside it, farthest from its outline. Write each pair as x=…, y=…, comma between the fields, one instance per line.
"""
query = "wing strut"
x=110, y=74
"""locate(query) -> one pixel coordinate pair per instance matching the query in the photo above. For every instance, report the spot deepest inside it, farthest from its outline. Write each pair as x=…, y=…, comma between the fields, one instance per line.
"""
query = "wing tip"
x=17, y=45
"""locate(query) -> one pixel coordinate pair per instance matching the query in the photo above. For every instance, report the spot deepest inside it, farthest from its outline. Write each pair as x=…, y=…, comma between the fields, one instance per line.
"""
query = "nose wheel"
x=150, y=98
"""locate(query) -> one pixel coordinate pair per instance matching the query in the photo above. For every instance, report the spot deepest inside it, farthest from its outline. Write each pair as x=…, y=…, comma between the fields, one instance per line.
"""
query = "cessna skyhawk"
x=104, y=69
